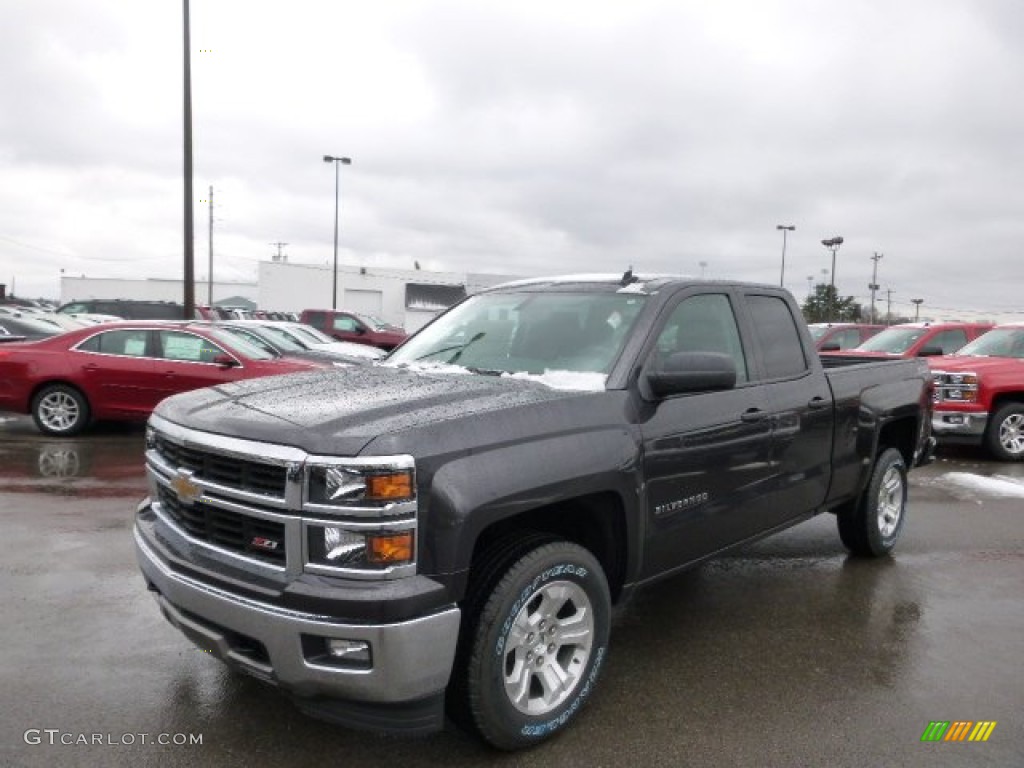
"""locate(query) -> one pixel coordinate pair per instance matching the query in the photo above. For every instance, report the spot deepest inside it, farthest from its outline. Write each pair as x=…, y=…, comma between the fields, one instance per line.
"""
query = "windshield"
x=237, y=341
x=371, y=320
x=314, y=335
x=526, y=333
x=999, y=342
x=894, y=341
x=282, y=339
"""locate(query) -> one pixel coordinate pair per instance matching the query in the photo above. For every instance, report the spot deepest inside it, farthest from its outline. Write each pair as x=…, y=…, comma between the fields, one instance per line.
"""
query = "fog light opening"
x=349, y=651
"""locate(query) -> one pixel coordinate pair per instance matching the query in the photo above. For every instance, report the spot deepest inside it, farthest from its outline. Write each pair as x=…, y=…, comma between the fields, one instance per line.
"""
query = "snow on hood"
x=575, y=381
x=582, y=381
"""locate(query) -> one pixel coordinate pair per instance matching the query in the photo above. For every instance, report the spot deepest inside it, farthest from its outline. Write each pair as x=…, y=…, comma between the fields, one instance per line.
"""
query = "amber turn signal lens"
x=390, y=549
x=390, y=487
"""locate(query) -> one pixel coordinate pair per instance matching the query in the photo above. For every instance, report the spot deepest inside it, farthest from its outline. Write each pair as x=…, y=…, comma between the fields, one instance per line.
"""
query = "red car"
x=979, y=393
x=352, y=326
x=120, y=371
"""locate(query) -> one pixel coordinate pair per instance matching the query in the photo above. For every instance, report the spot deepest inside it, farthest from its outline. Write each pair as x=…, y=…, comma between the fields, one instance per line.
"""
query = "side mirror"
x=930, y=351
x=225, y=361
x=686, y=372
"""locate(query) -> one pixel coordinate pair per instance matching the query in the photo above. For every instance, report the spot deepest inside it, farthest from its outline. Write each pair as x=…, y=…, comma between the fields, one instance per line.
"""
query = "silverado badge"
x=186, y=488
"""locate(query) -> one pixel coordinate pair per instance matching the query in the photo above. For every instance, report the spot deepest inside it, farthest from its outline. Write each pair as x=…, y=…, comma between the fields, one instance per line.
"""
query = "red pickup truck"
x=353, y=326
x=979, y=393
x=917, y=340
x=832, y=337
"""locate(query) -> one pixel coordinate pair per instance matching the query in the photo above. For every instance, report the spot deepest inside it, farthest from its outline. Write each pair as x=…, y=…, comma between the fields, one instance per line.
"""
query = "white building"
x=405, y=297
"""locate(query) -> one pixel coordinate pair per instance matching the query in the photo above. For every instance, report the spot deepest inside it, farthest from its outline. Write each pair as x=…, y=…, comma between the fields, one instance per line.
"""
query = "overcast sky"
x=526, y=138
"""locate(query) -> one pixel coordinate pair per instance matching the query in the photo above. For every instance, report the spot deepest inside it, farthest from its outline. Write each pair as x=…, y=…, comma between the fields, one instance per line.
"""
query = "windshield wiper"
x=460, y=347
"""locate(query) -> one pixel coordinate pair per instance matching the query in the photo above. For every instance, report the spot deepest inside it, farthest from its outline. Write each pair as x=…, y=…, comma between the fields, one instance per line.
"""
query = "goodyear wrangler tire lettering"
x=538, y=646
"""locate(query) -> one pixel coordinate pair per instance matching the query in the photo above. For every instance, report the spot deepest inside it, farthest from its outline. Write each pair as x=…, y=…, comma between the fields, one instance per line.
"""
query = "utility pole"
x=874, y=284
x=280, y=256
x=209, y=274
x=784, y=228
x=888, y=306
x=189, y=245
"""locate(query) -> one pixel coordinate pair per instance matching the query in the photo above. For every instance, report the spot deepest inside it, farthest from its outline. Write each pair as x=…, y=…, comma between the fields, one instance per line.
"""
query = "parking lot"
x=787, y=653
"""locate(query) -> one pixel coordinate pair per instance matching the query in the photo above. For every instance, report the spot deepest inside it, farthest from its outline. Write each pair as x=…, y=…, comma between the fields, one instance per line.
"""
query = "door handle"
x=817, y=403
x=752, y=415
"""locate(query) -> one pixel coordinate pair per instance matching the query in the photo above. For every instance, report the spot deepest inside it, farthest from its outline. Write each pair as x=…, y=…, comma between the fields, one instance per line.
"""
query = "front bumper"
x=961, y=426
x=402, y=688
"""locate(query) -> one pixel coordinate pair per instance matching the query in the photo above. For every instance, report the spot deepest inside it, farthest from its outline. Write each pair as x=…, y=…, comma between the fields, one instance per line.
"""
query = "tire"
x=537, y=646
x=1005, y=435
x=870, y=526
x=59, y=409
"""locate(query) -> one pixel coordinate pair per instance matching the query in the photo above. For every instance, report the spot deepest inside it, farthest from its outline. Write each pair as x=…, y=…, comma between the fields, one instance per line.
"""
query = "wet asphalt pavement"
x=787, y=653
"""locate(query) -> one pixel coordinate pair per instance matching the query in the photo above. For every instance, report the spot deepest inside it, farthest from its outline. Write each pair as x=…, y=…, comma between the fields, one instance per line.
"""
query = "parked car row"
x=81, y=374
x=120, y=371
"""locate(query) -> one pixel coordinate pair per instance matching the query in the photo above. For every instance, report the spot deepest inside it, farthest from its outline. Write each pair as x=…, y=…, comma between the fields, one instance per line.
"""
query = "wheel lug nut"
x=551, y=648
x=540, y=661
x=530, y=637
x=529, y=655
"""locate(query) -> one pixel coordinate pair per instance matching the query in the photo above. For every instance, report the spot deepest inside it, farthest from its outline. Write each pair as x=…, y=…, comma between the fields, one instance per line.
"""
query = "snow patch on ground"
x=997, y=486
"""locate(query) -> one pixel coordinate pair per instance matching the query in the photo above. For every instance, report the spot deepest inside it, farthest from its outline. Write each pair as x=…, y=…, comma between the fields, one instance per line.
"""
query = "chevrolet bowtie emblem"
x=186, y=488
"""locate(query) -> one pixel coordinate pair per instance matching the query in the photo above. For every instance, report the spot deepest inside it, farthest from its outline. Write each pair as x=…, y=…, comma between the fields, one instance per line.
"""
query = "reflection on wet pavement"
x=97, y=465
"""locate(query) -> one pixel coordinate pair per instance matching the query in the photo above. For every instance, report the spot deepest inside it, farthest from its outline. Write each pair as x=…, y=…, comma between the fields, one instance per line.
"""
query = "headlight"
x=353, y=484
x=359, y=516
x=372, y=551
x=963, y=378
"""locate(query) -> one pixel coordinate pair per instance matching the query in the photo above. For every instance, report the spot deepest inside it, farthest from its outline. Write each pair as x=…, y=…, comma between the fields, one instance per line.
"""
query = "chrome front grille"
x=241, y=474
x=247, y=502
x=236, y=532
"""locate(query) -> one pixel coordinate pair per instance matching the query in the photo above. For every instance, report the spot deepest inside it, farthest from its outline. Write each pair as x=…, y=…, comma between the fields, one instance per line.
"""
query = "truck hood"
x=975, y=363
x=339, y=411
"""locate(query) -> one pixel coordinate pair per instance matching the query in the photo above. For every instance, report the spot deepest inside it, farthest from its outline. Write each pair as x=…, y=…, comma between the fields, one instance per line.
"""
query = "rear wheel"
x=59, y=409
x=872, y=524
x=1005, y=435
x=537, y=644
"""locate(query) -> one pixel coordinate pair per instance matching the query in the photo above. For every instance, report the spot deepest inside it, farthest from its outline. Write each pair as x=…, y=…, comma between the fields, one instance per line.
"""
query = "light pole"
x=917, y=308
x=338, y=161
x=785, y=228
x=703, y=266
x=833, y=244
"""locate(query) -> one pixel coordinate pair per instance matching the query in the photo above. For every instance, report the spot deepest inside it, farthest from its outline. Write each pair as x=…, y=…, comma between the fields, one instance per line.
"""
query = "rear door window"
x=778, y=336
x=187, y=347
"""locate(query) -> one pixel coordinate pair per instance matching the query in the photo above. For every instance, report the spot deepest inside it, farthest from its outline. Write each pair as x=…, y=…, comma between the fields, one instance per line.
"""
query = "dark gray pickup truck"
x=449, y=530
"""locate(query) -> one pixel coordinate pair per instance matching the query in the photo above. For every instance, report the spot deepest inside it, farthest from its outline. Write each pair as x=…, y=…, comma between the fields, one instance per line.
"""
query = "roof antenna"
x=628, y=277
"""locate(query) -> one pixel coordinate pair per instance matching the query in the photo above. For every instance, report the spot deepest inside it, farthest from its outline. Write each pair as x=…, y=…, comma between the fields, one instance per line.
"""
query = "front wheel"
x=538, y=645
x=871, y=525
x=1005, y=436
x=59, y=409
